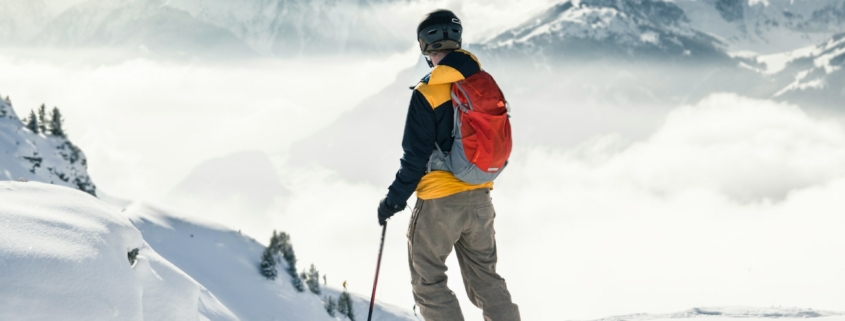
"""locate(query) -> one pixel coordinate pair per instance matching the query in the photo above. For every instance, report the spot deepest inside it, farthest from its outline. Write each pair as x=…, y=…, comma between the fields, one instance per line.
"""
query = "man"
x=450, y=213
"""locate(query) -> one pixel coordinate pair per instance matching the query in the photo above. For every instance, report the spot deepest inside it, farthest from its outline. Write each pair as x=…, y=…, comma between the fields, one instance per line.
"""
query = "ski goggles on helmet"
x=441, y=36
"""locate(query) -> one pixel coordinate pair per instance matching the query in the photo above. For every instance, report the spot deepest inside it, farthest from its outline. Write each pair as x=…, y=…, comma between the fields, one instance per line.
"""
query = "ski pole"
x=378, y=266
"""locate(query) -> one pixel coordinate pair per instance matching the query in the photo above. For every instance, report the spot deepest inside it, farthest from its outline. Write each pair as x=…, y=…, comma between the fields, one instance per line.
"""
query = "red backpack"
x=482, y=131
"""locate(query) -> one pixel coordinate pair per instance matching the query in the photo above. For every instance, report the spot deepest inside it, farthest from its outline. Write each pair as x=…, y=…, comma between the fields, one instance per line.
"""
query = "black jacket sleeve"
x=418, y=144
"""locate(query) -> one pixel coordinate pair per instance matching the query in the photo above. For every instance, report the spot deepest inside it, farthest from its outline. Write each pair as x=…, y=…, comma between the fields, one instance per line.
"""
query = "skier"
x=454, y=208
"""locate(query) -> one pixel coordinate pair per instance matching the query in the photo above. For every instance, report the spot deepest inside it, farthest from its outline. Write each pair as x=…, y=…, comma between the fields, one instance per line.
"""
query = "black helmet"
x=439, y=30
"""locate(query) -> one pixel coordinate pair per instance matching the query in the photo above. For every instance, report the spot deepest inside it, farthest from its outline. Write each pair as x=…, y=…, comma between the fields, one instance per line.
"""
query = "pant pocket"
x=483, y=233
x=412, y=225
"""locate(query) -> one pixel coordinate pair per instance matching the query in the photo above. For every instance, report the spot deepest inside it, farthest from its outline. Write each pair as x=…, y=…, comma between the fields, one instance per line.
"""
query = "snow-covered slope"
x=590, y=28
x=39, y=157
x=67, y=256
x=226, y=262
x=766, y=26
x=735, y=313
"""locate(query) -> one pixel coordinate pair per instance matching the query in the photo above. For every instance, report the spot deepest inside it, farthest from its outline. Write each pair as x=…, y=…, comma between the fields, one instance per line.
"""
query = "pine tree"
x=330, y=306
x=42, y=118
x=56, y=122
x=268, y=264
x=32, y=122
x=285, y=248
x=313, y=279
x=344, y=306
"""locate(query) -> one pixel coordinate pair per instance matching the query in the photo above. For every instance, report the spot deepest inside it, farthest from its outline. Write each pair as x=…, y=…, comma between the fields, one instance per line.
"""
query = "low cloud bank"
x=733, y=201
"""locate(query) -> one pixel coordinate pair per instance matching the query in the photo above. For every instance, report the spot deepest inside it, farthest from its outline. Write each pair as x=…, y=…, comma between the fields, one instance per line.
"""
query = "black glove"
x=386, y=209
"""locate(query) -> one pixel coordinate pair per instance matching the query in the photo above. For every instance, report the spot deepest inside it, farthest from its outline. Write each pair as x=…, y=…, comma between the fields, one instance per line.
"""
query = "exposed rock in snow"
x=769, y=26
x=39, y=157
x=813, y=76
x=590, y=28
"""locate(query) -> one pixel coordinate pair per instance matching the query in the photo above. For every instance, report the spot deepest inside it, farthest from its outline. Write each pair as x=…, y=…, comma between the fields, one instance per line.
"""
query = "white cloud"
x=733, y=201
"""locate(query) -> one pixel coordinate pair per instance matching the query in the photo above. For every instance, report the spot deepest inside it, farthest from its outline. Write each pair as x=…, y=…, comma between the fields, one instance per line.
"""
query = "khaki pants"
x=463, y=221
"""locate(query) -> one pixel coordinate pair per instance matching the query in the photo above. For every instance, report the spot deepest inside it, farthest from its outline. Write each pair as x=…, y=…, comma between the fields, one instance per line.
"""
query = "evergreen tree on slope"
x=285, y=248
x=42, y=118
x=344, y=306
x=330, y=305
x=268, y=264
x=32, y=122
x=56, y=121
x=313, y=280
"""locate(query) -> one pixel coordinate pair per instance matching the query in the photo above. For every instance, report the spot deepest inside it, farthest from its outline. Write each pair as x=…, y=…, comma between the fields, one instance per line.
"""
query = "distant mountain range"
x=213, y=28
x=697, y=29
x=681, y=29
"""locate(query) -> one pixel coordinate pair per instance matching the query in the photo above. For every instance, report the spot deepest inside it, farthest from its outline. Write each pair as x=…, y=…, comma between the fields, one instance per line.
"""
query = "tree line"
x=51, y=124
x=281, y=248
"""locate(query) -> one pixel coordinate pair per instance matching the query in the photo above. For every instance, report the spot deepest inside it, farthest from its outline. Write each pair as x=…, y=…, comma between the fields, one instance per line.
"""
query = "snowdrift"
x=66, y=255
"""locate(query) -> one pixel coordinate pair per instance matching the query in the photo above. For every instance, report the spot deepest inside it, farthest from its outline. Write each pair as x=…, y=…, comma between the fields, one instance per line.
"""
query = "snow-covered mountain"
x=609, y=28
x=247, y=177
x=144, y=26
x=766, y=26
x=67, y=255
x=21, y=20
x=226, y=262
x=40, y=157
x=812, y=75
x=287, y=27
x=216, y=28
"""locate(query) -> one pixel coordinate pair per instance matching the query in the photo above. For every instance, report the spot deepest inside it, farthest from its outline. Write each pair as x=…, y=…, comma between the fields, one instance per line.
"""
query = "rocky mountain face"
x=766, y=26
x=610, y=28
x=25, y=155
x=812, y=76
x=681, y=30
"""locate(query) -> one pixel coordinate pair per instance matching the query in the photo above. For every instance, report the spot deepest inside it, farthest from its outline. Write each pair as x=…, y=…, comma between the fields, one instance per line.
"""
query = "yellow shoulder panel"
x=436, y=94
x=443, y=74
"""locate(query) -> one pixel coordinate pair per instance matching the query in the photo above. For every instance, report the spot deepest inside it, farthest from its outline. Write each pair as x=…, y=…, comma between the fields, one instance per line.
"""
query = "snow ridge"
x=40, y=157
x=66, y=256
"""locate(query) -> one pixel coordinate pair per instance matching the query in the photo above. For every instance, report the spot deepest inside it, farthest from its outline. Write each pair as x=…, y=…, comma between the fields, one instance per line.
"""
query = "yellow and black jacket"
x=430, y=119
